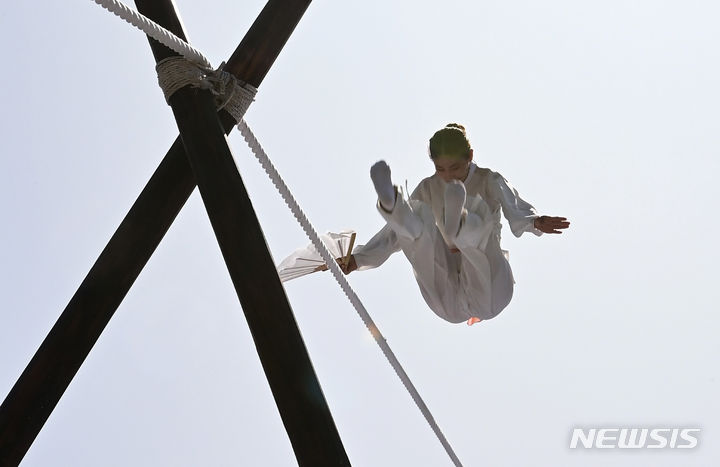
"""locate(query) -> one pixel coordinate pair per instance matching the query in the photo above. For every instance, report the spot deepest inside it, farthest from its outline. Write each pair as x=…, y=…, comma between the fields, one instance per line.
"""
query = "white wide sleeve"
x=520, y=214
x=377, y=250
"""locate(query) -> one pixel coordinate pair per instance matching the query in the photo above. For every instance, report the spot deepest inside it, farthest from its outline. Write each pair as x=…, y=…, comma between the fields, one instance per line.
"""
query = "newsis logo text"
x=634, y=438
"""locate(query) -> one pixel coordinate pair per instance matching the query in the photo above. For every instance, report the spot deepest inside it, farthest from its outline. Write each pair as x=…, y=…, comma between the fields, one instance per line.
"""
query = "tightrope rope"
x=340, y=278
x=172, y=41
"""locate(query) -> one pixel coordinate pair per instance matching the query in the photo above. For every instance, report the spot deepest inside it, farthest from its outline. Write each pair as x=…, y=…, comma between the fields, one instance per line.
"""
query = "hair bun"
x=455, y=125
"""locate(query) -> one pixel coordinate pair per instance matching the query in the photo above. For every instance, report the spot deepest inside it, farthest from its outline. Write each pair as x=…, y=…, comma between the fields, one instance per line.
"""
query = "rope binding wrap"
x=230, y=93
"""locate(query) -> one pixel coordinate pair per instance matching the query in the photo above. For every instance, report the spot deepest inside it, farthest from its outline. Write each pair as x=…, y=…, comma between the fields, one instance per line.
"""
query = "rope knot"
x=230, y=93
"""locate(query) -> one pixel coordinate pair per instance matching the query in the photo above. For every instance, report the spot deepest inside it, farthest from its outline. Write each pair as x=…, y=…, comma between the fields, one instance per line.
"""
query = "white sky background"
x=603, y=112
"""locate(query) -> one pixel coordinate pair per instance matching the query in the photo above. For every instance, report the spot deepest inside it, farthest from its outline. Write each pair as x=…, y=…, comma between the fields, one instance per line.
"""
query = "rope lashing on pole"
x=230, y=93
x=235, y=97
x=175, y=73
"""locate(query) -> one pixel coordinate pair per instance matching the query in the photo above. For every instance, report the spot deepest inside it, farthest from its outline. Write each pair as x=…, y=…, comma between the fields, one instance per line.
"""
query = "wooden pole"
x=38, y=390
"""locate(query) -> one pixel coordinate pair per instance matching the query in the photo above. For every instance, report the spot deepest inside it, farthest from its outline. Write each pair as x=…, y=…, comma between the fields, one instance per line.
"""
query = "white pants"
x=476, y=281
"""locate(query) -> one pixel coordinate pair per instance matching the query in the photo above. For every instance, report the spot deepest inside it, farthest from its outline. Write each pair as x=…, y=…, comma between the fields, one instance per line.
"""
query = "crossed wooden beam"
x=199, y=156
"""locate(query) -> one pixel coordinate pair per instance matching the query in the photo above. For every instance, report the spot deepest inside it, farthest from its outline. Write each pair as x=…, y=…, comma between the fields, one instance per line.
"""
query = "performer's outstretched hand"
x=550, y=224
x=347, y=268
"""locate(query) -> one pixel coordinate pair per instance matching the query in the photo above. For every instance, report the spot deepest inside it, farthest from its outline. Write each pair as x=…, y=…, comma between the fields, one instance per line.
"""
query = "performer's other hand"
x=551, y=224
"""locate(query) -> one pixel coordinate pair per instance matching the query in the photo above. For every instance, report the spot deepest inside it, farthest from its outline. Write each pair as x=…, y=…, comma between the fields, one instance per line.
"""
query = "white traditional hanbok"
x=462, y=277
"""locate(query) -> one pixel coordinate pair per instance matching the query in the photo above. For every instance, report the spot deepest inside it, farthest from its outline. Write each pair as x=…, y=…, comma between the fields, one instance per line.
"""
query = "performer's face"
x=452, y=167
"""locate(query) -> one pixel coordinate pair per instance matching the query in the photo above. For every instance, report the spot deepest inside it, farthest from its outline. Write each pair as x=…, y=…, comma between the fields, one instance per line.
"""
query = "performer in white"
x=449, y=230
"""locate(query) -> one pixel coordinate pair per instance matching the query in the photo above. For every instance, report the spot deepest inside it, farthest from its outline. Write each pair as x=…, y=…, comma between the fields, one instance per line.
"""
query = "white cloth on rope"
x=175, y=43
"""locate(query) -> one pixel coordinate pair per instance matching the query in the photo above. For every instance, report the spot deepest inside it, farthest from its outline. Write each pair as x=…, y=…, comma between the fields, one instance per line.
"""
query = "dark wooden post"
x=47, y=376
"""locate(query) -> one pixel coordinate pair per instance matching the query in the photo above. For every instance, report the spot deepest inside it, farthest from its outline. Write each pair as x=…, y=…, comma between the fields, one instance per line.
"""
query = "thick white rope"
x=170, y=40
x=155, y=31
x=340, y=278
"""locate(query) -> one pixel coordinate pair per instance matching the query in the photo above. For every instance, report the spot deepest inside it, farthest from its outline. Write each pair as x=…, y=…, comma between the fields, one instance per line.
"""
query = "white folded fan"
x=307, y=260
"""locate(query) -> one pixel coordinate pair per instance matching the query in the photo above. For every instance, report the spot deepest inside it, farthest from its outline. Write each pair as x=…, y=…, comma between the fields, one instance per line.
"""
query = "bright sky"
x=603, y=112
